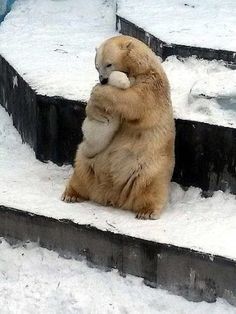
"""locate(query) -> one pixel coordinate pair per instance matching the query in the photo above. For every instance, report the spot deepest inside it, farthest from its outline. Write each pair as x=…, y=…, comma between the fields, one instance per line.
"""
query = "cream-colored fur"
x=134, y=171
x=119, y=79
x=98, y=133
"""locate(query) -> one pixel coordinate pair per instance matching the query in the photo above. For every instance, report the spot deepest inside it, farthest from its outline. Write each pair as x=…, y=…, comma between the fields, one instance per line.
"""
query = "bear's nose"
x=103, y=80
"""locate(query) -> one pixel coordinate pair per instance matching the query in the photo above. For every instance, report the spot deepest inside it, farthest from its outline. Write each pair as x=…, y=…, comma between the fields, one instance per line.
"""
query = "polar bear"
x=134, y=171
x=99, y=132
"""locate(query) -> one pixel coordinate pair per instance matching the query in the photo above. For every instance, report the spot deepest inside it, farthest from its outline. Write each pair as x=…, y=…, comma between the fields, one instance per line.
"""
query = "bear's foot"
x=152, y=214
x=71, y=196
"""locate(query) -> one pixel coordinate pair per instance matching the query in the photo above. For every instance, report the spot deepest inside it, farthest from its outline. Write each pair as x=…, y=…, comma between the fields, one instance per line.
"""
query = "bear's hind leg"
x=153, y=200
x=70, y=195
x=77, y=187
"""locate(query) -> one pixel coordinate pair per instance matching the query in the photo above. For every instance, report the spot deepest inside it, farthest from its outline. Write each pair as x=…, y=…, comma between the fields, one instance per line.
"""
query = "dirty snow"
x=207, y=225
x=35, y=280
x=201, y=23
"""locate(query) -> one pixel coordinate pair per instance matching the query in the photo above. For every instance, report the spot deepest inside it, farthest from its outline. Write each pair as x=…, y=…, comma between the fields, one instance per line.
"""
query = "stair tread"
x=190, y=76
x=216, y=85
x=192, y=23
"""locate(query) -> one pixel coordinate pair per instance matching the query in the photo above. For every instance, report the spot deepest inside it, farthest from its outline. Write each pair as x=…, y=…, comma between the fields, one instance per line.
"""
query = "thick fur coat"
x=135, y=169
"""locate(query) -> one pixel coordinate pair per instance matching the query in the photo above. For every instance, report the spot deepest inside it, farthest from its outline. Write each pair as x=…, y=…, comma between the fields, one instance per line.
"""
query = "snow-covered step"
x=190, y=77
x=220, y=87
x=195, y=23
x=50, y=125
x=200, y=28
x=51, y=44
x=205, y=152
x=194, y=232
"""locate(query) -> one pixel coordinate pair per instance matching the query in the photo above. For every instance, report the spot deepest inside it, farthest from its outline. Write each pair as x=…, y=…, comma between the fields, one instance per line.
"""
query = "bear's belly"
x=128, y=164
x=118, y=171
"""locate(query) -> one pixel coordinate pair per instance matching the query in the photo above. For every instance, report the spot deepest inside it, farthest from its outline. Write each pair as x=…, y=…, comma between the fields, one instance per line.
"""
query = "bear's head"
x=125, y=54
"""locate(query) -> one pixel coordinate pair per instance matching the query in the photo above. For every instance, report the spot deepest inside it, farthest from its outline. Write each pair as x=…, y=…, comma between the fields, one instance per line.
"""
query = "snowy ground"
x=201, y=23
x=52, y=43
x=207, y=225
x=190, y=79
x=52, y=46
x=35, y=280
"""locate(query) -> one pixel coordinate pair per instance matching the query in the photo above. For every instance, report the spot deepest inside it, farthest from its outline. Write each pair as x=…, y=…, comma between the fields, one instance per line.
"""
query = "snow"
x=52, y=46
x=207, y=225
x=52, y=43
x=222, y=85
x=190, y=78
x=35, y=280
x=200, y=23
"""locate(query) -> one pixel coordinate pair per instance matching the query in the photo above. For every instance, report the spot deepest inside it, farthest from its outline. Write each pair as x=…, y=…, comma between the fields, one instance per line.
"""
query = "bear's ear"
x=127, y=45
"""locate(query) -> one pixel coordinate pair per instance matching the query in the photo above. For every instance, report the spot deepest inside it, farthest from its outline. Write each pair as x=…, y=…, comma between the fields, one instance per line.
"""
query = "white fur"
x=119, y=80
x=98, y=134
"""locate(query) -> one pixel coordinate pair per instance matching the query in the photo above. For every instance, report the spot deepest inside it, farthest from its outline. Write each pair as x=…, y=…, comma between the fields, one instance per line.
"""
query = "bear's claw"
x=148, y=214
x=66, y=197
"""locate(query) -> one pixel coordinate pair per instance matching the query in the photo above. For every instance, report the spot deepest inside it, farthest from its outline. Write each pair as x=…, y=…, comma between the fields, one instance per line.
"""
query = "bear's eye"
x=109, y=65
